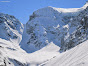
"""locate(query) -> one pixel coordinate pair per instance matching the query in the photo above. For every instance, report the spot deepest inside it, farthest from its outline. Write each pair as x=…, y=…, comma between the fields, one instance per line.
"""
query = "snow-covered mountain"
x=49, y=34
x=64, y=27
x=11, y=54
x=10, y=28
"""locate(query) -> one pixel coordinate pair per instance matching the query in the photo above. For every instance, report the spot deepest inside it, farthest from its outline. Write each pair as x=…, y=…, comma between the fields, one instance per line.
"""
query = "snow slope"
x=77, y=56
x=48, y=56
x=12, y=55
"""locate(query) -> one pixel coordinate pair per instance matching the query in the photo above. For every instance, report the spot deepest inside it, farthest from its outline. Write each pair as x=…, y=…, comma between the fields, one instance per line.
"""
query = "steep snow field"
x=11, y=53
x=47, y=56
x=77, y=56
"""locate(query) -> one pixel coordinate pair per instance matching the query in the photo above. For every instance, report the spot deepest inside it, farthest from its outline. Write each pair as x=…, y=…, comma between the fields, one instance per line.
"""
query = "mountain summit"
x=66, y=28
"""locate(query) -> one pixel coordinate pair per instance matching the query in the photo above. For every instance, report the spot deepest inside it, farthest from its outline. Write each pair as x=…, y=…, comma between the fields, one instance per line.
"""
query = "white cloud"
x=4, y=1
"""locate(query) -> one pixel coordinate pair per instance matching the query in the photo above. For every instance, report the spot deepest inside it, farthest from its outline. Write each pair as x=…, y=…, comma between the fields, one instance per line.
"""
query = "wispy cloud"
x=4, y=1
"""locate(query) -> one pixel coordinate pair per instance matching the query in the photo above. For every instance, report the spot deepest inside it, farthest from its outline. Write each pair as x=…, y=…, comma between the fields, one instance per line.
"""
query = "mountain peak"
x=86, y=5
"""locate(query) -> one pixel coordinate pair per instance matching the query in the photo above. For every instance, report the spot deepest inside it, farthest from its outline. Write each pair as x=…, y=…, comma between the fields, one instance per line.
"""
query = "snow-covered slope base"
x=12, y=55
x=77, y=56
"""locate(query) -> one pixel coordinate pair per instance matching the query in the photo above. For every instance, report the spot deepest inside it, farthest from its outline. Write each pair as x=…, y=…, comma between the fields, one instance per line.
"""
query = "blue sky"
x=22, y=9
